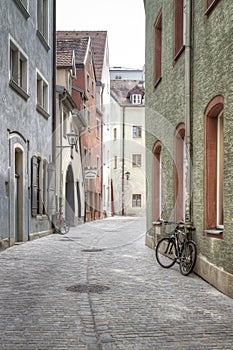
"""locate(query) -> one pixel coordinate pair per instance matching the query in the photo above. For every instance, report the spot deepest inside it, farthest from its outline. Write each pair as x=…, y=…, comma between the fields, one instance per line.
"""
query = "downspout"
x=123, y=163
x=80, y=147
x=60, y=146
x=54, y=86
x=187, y=160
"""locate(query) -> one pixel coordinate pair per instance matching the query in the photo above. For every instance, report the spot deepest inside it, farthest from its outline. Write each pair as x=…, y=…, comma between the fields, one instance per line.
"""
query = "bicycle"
x=177, y=248
x=60, y=225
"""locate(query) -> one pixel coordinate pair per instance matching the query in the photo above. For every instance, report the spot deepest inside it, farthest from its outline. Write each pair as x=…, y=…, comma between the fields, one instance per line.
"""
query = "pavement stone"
x=146, y=307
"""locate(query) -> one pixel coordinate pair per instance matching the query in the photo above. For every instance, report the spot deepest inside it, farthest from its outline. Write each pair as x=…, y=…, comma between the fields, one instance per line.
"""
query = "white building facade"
x=128, y=147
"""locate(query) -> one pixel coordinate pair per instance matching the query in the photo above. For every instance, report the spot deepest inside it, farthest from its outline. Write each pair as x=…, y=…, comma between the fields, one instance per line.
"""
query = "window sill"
x=43, y=40
x=41, y=217
x=19, y=90
x=214, y=233
x=158, y=81
x=22, y=8
x=178, y=54
x=211, y=8
x=42, y=111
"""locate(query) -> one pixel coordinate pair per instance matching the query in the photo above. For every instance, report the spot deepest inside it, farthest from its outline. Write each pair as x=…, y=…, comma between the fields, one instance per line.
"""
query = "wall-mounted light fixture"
x=127, y=174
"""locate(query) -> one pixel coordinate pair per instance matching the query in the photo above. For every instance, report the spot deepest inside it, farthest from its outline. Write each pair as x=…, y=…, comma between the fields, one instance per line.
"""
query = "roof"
x=64, y=58
x=98, y=43
x=121, y=89
x=79, y=46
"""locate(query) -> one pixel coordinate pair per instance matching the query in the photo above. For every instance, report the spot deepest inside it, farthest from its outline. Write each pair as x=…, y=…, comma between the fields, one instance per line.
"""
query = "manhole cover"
x=87, y=288
x=92, y=250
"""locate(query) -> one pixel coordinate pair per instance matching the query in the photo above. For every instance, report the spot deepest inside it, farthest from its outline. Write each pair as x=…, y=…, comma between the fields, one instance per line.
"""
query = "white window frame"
x=137, y=200
x=18, y=68
x=136, y=99
x=42, y=96
x=136, y=160
x=43, y=21
x=137, y=131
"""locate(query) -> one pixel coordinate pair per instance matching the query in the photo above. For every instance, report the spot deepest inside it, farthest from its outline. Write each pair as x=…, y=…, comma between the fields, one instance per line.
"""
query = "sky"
x=124, y=20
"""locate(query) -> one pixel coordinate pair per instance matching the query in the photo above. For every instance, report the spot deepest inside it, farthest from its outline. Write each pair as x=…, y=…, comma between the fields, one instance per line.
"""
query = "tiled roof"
x=64, y=58
x=98, y=43
x=120, y=89
x=79, y=46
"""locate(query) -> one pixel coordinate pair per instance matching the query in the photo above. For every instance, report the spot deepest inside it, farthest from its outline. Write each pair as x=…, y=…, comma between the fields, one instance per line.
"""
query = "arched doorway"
x=19, y=200
x=69, y=207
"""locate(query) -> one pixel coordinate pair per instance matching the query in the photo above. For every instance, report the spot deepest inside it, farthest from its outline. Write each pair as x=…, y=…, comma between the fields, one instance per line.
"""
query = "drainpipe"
x=60, y=171
x=123, y=164
x=81, y=155
x=188, y=171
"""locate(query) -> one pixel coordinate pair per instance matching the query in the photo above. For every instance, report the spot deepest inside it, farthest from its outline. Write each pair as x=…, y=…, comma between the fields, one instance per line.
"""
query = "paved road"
x=99, y=288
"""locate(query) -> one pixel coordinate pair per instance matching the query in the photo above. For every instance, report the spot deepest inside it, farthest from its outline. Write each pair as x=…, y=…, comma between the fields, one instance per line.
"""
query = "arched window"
x=214, y=164
x=157, y=180
x=158, y=49
x=179, y=173
x=178, y=28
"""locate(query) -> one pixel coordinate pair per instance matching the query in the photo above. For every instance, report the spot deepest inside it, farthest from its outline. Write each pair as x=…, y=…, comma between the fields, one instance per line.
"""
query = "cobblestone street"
x=100, y=288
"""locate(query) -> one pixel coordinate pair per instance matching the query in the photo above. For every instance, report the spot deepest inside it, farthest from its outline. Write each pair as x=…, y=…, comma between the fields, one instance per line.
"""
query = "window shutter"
x=51, y=189
x=34, y=186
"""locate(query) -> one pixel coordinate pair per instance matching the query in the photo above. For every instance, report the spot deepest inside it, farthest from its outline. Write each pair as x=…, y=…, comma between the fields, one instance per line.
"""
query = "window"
x=89, y=120
x=156, y=176
x=89, y=159
x=214, y=166
x=114, y=134
x=136, y=201
x=136, y=99
x=88, y=82
x=179, y=28
x=85, y=157
x=42, y=94
x=158, y=50
x=92, y=89
x=136, y=160
x=210, y=6
x=42, y=20
x=98, y=165
x=97, y=128
x=179, y=173
x=115, y=162
x=137, y=131
x=18, y=69
x=43, y=187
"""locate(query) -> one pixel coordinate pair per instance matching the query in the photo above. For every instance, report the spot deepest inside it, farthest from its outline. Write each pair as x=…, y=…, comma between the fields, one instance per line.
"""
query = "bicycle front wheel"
x=188, y=258
x=165, y=252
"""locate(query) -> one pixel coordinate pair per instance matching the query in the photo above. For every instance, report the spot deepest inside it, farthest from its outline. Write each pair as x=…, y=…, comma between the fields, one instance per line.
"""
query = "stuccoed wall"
x=164, y=105
x=20, y=116
x=212, y=66
x=212, y=75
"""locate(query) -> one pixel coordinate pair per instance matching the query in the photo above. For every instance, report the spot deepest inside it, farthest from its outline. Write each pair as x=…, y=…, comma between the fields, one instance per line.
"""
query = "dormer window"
x=136, y=99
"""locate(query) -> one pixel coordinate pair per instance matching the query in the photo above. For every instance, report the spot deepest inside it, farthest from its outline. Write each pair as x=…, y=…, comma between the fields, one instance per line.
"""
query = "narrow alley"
x=100, y=288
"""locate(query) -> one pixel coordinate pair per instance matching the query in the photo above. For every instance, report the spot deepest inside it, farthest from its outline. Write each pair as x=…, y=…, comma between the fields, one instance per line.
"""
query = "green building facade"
x=189, y=127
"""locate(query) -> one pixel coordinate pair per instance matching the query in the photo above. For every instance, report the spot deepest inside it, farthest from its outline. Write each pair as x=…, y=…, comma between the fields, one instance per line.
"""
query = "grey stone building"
x=27, y=188
x=189, y=101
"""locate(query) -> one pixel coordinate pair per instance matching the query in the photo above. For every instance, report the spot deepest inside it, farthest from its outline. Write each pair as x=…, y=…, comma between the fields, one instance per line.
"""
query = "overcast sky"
x=124, y=21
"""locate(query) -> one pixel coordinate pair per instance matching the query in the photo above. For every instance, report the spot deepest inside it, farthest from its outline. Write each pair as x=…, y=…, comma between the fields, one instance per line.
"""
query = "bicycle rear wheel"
x=165, y=252
x=188, y=258
x=61, y=228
